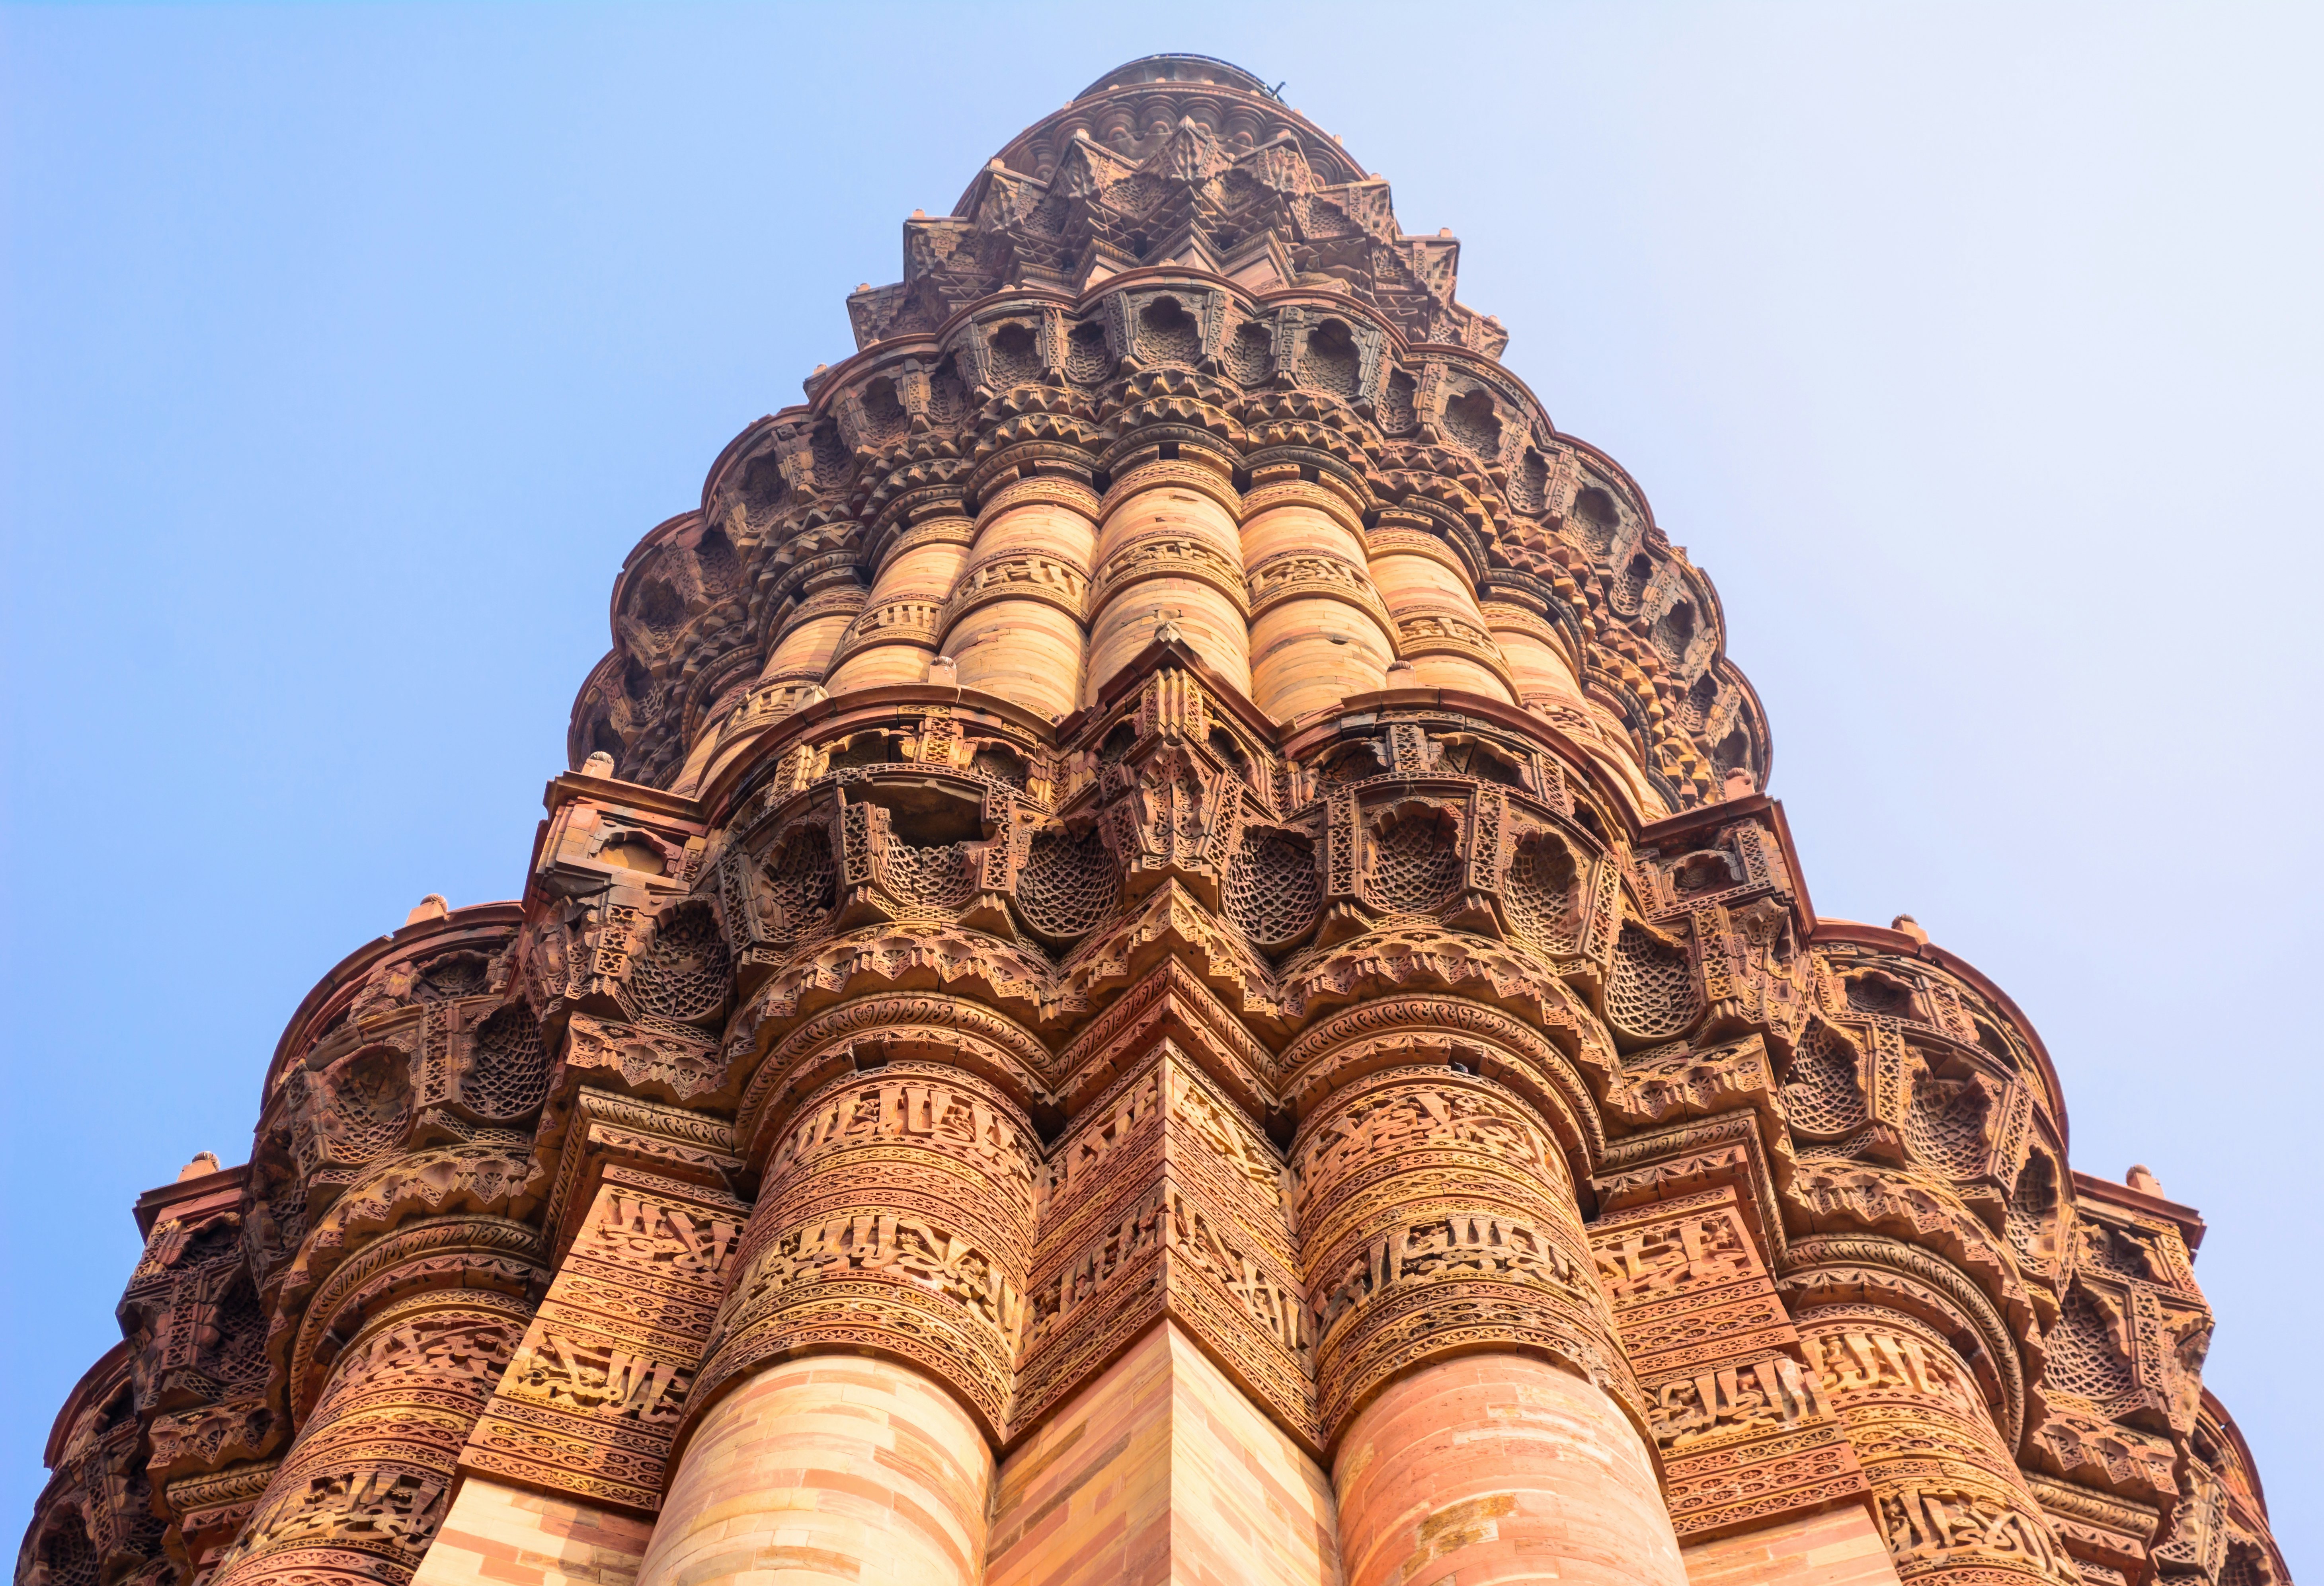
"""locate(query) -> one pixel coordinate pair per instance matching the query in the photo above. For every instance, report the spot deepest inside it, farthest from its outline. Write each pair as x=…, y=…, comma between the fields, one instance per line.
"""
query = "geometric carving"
x=980, y=1009
x=507, y=1074
x=1746, y=1431
x=1273, y=888
x=1069, y=884
x=1176, y=816
x=1823, y=1094
x=1652, y=993
x=667, y=1061
x=1435, y=1215
x=593, y=1390
x=1541, y=892
x=2086, y=1353
x=797, y=880
x=369, y=1104
x=1413, y=860
x=682, y=973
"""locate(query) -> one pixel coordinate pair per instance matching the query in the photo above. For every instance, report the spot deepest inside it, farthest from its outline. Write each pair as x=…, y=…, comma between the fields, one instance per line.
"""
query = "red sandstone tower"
x=1163, y=963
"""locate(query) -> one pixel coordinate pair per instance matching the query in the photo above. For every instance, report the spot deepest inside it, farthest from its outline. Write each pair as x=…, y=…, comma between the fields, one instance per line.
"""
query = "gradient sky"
x=1974, y=351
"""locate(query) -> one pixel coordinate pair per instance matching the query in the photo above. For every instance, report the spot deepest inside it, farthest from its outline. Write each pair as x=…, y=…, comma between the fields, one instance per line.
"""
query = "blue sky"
x=1974, y=351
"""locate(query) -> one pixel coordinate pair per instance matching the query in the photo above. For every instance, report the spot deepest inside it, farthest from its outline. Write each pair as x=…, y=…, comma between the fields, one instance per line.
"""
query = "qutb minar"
x=1164, y=962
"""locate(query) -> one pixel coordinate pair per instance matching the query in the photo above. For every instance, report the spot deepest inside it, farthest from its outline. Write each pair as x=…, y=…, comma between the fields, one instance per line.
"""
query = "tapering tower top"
x=1160, y=90
x=1184, y=159
x=1175, y=263
x=1178, y=66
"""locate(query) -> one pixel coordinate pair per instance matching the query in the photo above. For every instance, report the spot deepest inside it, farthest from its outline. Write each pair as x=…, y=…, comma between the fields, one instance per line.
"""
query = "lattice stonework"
x=508, y=1076
x=1273, y=887
x=1069, y=883
x=1250, y=353
x=682, y=974
x=1824, y=1092
x=1652, y=990
x=2031, y=1223
x=1161, y=957
x=1086, y=358
x=930, y=880
x=66, y=1555
x=2086, y=1359
x=1541, y=892
x=1946, y=1124
x=372, y=1103
x=801, y=880
x=1415, y=861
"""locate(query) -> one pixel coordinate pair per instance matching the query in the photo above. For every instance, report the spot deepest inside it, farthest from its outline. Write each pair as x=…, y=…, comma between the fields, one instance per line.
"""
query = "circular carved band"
x=435, y=1252
x=897, y=1220
x=1169, y=553
x=362, y=1490
x=1949, y=1500
x=908, y=620
x=1436, y=1217
x=926, y=1026
x=1392, y=1031
x=1208, y=478
x=1338, y=505
x=1044, y=490
x=1449, y=630
x=949, y=529
x=1018, y=575
x=1877, y=1269
x=1392, y=541
x=1291, y=575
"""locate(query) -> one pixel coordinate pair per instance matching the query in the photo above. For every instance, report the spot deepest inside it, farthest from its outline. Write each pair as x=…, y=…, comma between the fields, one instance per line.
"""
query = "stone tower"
x=1164, y=961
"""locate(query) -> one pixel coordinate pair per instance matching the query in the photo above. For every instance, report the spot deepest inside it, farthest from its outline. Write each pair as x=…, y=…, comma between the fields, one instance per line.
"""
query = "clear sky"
x=1974, y=351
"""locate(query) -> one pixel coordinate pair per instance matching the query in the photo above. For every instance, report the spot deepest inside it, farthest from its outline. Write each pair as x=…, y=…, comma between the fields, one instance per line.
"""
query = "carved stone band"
x=1045, y=490
x=896, y=1217
x=906, y=621
x=1168, y=555
x=823, y=604
x=1173, y=474
x=1389, y=541
x=1300, y=492
x=949, y=530
x=1443, y=632
x=1318, y=575
x=1019, y=575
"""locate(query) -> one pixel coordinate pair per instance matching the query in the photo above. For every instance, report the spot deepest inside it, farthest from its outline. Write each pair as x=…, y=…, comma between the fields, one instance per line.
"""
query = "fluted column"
x=1534, y=649
x=810, y=631
x=894, y=637
x=828, y=1468
x=1951, y=1503
x=1501, y=1467
x=1014, y=622
x=362, y=1490
x=1168, y=550
x=1438, y=1223
x=896, y=1223
x=1439, y=628
x=1319, y=631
